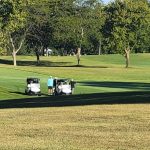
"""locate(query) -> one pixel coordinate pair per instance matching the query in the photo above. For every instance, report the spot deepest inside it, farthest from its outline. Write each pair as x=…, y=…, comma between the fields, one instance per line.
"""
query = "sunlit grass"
x=82, y=127
x=98, y=69
x=90, y=127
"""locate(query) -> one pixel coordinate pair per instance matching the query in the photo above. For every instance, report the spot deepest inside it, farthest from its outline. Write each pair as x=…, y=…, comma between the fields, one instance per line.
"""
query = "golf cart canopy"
x=62, y=80
x=33, y=80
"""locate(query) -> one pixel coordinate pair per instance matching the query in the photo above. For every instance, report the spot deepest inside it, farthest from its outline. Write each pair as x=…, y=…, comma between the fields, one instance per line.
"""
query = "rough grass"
x=116, y=117
x=64, y=128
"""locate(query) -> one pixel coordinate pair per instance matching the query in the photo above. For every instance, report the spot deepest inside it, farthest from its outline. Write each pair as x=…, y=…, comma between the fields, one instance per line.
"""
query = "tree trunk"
x=37, y=56
x=15, y=51
x=14, y=58
x=127, y=54
x=99, y=49
x=78, y=55
x=127, y=61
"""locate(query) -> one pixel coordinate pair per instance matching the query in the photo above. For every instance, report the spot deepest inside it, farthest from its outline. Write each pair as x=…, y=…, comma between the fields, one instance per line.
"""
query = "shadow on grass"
x=83, y=66
x=124, y=85
x=20, y=93
x=7, y=62
x=46, y=64
x=34, y=63
x=78, y=100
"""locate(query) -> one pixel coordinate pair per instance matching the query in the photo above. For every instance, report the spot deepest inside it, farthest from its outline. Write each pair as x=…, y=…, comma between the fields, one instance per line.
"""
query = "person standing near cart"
x=72, y=83
x=50, y=83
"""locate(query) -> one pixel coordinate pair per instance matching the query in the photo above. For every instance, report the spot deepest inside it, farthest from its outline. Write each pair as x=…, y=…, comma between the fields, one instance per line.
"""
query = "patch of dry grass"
x=83, y=128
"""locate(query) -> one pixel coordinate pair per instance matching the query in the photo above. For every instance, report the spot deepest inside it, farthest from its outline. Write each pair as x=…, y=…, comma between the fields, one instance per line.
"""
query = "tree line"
x=89, y=26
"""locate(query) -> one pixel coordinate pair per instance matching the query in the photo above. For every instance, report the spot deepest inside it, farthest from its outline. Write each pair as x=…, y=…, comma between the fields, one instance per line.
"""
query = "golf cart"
x=62, y=86
x=33, y=86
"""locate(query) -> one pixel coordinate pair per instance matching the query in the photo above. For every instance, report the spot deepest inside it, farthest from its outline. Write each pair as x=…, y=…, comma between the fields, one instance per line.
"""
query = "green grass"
x=109, y=110
x=107, y=71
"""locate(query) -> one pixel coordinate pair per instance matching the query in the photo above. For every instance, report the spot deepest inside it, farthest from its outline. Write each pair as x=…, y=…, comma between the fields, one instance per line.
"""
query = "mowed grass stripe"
x=109, y=110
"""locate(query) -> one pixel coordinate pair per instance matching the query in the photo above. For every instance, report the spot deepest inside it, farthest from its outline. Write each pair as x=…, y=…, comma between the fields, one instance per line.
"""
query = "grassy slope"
x=97, y=74
x=105, y=74
x=83, y=122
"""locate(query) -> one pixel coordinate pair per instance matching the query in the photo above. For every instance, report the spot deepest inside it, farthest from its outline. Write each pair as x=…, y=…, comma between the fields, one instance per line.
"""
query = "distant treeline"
x=121, y=26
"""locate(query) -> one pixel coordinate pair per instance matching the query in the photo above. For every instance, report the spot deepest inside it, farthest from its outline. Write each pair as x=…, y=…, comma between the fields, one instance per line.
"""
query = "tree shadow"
x=124, y=85
x=44, y=63
x=83, y=66
x=7, y=62
x=79, y=100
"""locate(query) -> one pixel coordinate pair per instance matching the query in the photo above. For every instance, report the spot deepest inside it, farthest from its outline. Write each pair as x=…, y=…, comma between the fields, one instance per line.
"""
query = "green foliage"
x=13, y=21
x=14, y=14
x=66, y=25
x=126, y=23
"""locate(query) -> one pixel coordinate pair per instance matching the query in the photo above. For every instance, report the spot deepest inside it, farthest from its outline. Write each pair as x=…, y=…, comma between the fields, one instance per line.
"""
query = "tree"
x=13, y=23
x=78, y=55
x=40, y=31
x=78, y=25
x=124, y=22
x=94, y=21
x=5, y=10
